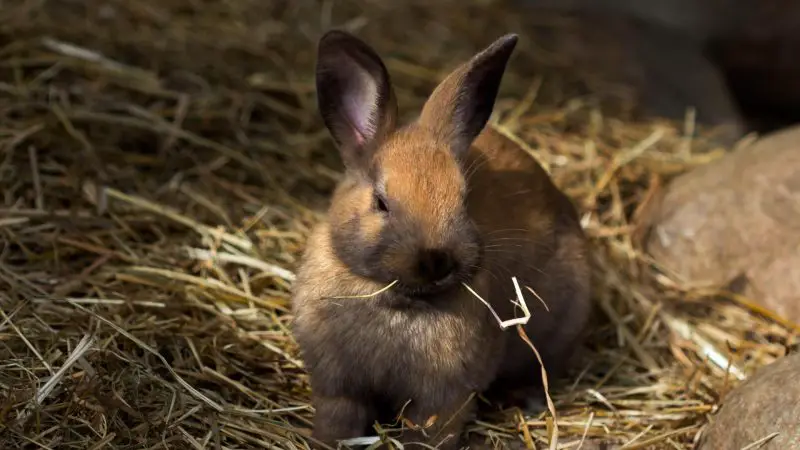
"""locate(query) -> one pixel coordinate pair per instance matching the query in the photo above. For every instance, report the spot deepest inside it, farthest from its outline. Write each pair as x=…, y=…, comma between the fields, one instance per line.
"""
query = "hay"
x=162, y=163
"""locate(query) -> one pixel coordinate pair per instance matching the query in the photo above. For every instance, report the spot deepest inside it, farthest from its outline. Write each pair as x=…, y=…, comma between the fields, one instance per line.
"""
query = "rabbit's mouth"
x=450, y=282
x=428, y=272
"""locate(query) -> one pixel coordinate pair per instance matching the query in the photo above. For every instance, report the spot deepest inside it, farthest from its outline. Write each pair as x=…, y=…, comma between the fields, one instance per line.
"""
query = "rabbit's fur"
x=429, y=205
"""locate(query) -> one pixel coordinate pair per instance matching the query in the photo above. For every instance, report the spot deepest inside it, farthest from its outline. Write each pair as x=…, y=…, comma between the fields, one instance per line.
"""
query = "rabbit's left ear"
x=354, y=95
x=462, y=103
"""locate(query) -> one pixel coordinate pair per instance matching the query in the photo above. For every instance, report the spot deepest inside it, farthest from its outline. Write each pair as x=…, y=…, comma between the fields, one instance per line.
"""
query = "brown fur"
x=443, y=183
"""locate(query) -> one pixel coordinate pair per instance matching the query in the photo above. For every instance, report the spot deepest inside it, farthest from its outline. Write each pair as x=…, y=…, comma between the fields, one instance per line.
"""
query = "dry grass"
x=161, y=163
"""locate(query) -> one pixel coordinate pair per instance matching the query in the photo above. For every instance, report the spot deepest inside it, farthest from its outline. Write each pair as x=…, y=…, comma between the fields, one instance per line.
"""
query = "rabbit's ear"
x=460, y=106
x=354, y=95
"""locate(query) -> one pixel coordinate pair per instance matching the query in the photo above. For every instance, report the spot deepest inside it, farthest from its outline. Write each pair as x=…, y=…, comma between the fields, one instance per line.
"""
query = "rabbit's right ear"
x=354, y=96
x=461, y=105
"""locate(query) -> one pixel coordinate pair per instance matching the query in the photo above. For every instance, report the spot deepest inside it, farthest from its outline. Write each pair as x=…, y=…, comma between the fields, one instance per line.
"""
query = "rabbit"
x=426, y=208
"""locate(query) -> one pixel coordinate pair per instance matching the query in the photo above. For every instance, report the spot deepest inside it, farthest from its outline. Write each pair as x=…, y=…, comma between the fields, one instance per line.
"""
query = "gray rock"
x=738, y=217
x=765, y=404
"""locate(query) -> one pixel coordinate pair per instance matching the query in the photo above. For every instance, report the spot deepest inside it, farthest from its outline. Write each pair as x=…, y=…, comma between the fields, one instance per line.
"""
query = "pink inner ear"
x=354, y=114
x=360, y=104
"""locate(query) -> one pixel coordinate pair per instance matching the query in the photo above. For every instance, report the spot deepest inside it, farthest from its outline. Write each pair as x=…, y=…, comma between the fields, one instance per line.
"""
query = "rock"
x=659, y=71
x=757, y=58
x=711, y=54
x=697, y=19
x=738, y=217
x=766, y=403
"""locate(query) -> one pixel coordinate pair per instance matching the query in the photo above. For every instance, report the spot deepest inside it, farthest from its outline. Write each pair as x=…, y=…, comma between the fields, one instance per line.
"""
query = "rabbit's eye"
x=379, y=203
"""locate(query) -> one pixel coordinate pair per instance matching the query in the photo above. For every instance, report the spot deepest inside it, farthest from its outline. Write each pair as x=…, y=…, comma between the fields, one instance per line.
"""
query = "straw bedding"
x=162, y=163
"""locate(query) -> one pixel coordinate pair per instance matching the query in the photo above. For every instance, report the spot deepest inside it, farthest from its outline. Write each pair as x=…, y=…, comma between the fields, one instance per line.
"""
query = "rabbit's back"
x=531, y=231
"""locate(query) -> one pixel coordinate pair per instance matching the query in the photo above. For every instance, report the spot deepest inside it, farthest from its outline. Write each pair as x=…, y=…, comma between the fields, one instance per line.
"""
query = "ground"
x=162, y=162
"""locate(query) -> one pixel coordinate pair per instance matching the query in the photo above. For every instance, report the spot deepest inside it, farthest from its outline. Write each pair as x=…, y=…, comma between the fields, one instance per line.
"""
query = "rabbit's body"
x=423, y=205
x=531, y=231
x=384, y=351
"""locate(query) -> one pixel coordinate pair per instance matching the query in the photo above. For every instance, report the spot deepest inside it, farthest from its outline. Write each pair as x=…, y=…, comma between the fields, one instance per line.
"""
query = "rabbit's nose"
x=435, y=265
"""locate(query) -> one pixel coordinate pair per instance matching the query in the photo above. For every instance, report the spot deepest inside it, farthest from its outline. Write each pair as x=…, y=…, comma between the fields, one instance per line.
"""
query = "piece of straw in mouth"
x=370, y=295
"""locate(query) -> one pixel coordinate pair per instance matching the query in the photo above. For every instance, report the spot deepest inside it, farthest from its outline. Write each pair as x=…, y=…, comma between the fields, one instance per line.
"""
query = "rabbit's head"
x=400, y=213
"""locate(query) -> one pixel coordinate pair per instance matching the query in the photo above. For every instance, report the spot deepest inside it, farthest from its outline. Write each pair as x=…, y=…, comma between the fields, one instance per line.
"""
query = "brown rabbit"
x=429, y=205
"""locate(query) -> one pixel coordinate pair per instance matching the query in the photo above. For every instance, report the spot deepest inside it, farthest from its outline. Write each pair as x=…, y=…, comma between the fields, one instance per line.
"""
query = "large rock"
x=765, y=404
x=724, y=57
x=757, y=56
x=738, y=216
x=646, y=68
